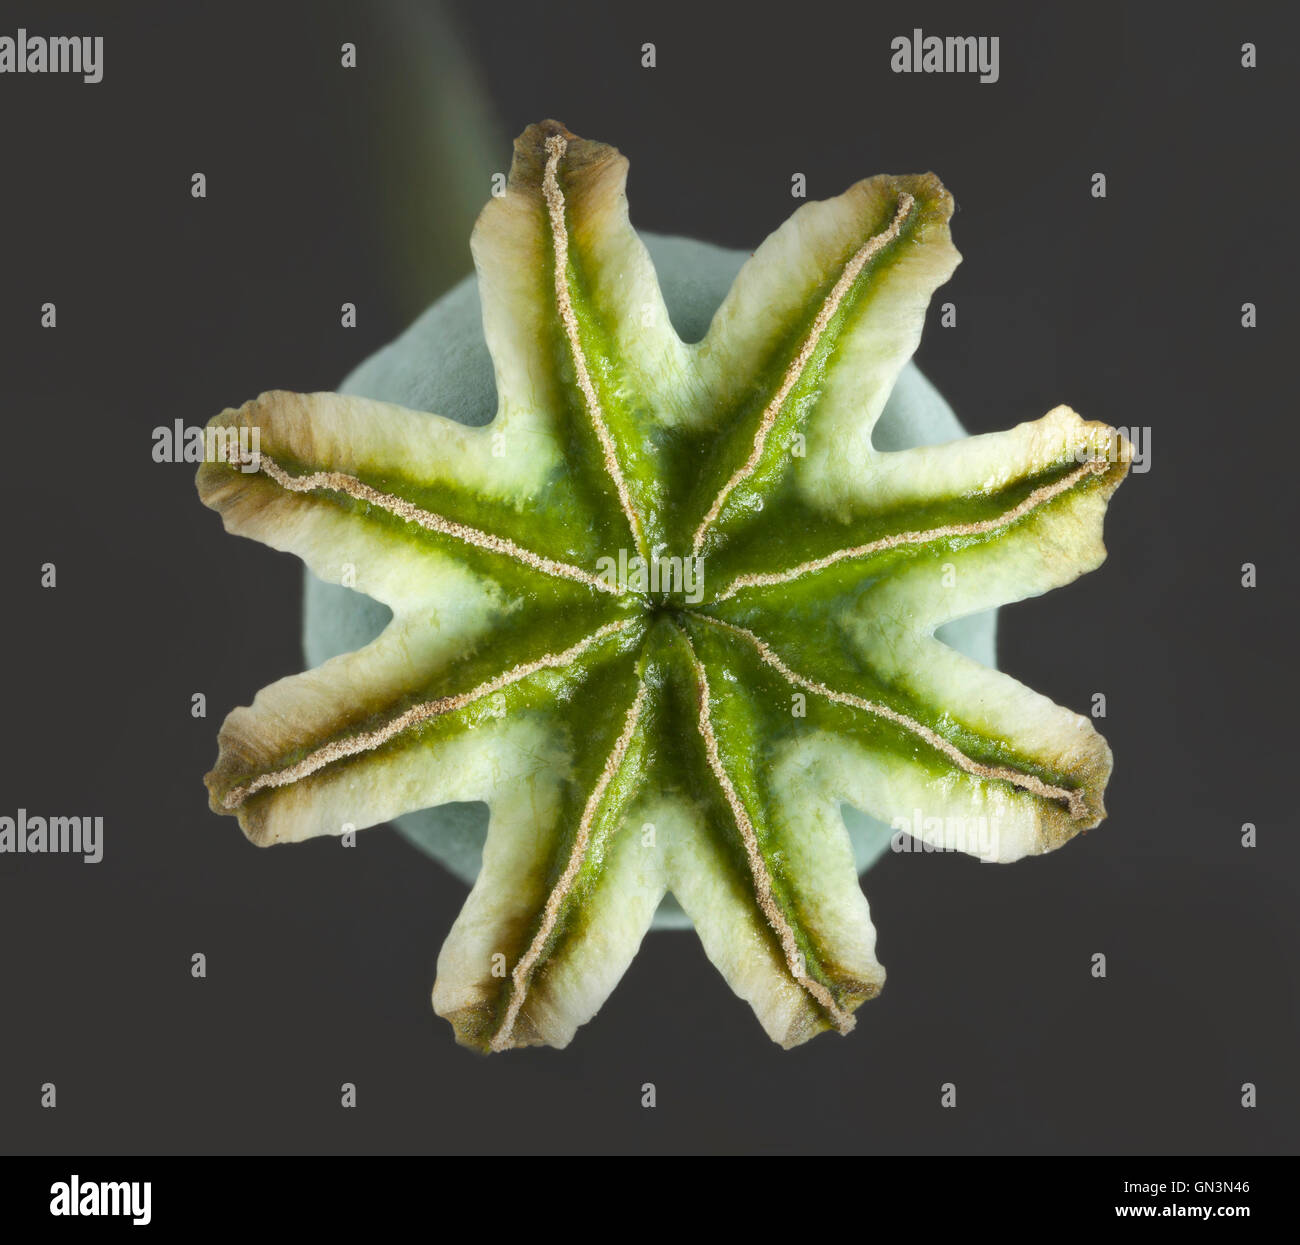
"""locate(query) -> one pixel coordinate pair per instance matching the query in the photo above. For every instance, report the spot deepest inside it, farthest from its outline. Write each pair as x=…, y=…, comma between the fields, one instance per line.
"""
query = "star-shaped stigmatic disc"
x=670, y=608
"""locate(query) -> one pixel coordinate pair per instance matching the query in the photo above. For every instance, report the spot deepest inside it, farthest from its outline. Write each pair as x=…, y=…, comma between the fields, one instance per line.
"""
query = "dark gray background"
x=320, y=960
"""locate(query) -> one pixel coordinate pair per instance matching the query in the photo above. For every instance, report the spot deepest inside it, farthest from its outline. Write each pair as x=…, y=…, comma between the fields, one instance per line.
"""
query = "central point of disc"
x=662, y=580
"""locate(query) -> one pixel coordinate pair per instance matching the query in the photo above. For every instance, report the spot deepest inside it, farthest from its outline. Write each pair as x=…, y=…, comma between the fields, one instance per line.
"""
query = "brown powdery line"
x=399, y=507
x=866, y=252
x=504, y=1036
x=354, y=745
x=794, y=959
x=1039, y=497
x=556, y=146
x=1028, y=782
